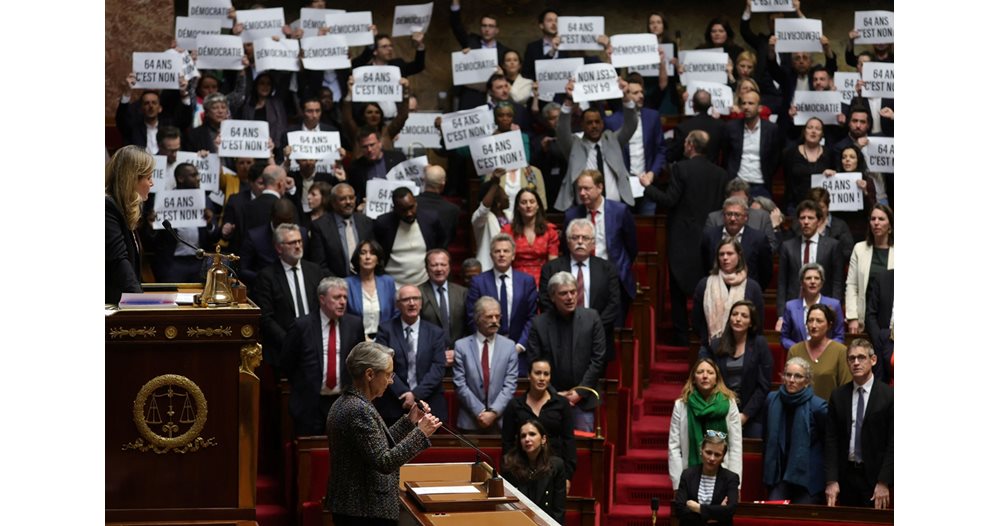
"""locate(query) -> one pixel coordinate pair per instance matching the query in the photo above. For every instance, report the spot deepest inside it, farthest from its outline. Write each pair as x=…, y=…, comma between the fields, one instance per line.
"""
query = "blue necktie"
x=504, y=323
x=859, y=418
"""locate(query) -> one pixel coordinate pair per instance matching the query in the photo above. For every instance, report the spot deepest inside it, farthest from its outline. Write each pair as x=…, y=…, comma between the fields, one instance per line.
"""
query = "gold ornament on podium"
x=173, y=405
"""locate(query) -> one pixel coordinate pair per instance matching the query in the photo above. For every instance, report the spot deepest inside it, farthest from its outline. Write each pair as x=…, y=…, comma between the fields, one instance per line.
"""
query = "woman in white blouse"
x=870, y=258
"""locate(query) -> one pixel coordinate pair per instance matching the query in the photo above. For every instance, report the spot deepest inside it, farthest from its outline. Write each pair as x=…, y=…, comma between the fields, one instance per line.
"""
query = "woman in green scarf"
x=706, y=404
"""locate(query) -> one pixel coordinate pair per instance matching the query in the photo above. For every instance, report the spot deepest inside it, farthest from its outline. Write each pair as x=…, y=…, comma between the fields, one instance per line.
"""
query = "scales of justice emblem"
x=170, y=412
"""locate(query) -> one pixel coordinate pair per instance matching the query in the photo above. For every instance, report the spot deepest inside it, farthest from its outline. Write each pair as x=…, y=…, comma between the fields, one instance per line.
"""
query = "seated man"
x=485, y=371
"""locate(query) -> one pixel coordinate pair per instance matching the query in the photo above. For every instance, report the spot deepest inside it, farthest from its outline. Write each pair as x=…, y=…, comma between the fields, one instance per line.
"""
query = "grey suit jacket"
x=790, y=261
x=580, y=362
x=612, y=143
x=456, y=310
x=468, y=379
x=757, y=219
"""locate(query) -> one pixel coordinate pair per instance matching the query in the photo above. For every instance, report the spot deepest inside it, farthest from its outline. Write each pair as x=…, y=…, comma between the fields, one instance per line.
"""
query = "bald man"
x=431, y=199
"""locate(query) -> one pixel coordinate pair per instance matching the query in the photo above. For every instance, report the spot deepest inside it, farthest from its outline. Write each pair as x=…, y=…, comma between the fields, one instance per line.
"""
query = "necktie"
x=504, y=323
x=331, y=357
x=486, y=372
x=411, y=359
x=593, y=221
x=859, y=417
x=352, y=242
x=805, y=253
x=600, y=158
x=580, y=289
x=443, y=306
x=300, y=308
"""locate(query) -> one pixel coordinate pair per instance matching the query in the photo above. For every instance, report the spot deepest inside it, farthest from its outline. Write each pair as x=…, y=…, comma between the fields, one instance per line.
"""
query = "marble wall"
x=131, y=25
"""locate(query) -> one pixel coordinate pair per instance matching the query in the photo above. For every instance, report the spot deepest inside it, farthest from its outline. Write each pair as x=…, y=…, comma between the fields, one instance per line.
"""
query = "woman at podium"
x=128, y=178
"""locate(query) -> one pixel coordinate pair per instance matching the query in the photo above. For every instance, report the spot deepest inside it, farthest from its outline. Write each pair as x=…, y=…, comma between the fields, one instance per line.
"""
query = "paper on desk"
x=438, y=490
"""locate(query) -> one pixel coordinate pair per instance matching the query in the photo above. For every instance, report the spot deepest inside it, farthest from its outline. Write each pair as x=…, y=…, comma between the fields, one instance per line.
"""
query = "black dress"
x=122, y=264
x=547, y=491
x=798, y=174
x=557, y=419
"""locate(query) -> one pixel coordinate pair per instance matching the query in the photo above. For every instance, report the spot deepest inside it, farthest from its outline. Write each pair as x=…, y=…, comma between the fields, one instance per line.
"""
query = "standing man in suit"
x=879, y=321
x=257, y=250
x=696, y=186
x=544, y=48
x=407, y=233
x=599, y=149
x=596, y=279
x=753, y=147
x=515, y=291
x=314, y=357
x=444, y=302
x=644, y=153
x=572, y=338
x=702, y=121
x=859, y=435
x=312, y=110
x=431, y=200
x=831, y=226
x=614, y=227
x=373, y=164
x=809, y=247
x=258, y=211
x=418, y=361
x=757, y=218
x=485, y=371
x=756, y=251
x=138, y=122
x=333, y=237
x=489, y=30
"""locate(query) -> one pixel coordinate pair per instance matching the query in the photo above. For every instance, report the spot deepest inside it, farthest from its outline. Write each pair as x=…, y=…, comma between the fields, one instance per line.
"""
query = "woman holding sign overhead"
x=128, y=178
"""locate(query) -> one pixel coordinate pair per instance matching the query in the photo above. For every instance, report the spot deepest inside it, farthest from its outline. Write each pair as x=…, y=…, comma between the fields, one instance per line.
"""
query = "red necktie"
x=579, y=283
x=331, y=357
x=486, y=370
x=805, y=254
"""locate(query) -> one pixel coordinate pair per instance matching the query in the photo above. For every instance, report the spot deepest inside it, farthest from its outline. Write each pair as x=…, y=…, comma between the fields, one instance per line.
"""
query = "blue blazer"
x=619, y=227
x=793, y=325
x=522, y=311
x=385, y=286
x=469, y=379
x=652, y=138
x=430, y=369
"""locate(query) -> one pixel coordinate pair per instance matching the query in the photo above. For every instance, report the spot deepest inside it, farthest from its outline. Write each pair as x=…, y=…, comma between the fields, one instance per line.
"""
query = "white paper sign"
x=410, y=170
x=409, y=19
x=314, y=145
x=461, y=127
x=595, y=82
x=187, y=29
x=377, y=84
x=217, y=10
x=220, y=52
x=504, y=150
x=704, y=65
x=281, y=55
x=845, y=196
x=798, y=34
x=580, y=32
x=474, y=67
x=183, y=208
x=208, y=168
x=261, y=23
x=244, y=139
x=771, y=6
x=553, y=75
x=159, y=173
x=354, y=27
x=722, y=96
x=419, y=131
x=636, y=49
x=873, y=27
x=824, y=105
x=845, y=83
x=879, y=154
x=188, y=67
x=379, y=195
x=311, y=19
x=325, y=52
x=878, y=79
x=653, y=70
x=156, y=70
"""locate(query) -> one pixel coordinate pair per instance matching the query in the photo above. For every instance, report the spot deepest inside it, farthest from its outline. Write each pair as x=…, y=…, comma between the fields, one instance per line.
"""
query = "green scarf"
x=702, y=416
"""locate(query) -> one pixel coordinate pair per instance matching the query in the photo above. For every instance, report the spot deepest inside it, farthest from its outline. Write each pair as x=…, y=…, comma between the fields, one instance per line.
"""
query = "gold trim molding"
x=194, y=332
x=250, y=357
x=170, y=389
x=133, y=332
x=246, y=331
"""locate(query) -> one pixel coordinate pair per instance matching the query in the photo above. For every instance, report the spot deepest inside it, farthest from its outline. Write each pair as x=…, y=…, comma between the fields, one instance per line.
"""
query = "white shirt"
x=813, y=248
x=610, y=180
x=750, y=170
x=854, y=409
x=600, y=236
x=574, y=268
x=510, y=289
x=324, y=322
x=291, y=278
x=636, y=153
x=152, y=147
x=490, y=345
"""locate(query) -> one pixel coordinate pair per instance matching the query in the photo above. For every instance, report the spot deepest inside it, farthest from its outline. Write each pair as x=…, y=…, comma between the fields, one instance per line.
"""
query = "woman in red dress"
x=536, y=240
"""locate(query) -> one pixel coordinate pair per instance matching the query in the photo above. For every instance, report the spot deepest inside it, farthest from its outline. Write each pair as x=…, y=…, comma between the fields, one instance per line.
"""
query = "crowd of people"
x=537, y=299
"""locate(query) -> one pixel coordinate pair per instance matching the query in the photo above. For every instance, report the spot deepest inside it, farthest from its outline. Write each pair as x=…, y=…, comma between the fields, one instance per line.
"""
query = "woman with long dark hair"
x=536, y=241
x=870, y=258
x=716, y=293
x=536, y=472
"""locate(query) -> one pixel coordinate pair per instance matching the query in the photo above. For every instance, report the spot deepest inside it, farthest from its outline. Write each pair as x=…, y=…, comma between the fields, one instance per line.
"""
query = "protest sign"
x=379, y=195
x=461, y=127
x=824, y=105
x=845, y=195
x=798, y=34
x=261, y=23
x=377, y=83
x=553, y=75
x=771, y=6
x=409, y=170
x=504, y=150
x=878, y=79
x=156, y=70
x=325, y=52
x=637, y=49
x=722, y=96
x=220, y=52
x=879, y=153
x=474, y=67
x=159, y=173
x=187, y=29
x=208, y=168
x=311, y=19
x=354, y=27
x=595, y=82
x=580, y=32
x=845, y=83
x=244, y=139
x=419, y=131
x=409, y=19
x=188, y=67
x=183, y=208
x=314, y=145
x=704, y=65
x=653, y=70
x=282, y=55
x=873, y=27
x=217, y=10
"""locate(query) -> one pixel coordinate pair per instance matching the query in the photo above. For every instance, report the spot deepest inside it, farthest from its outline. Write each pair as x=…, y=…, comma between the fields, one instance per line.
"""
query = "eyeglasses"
x=411, y=299
x=857, y=358
x=795, y=376
x=581, y=238
x=715, y=434
x=293, y=242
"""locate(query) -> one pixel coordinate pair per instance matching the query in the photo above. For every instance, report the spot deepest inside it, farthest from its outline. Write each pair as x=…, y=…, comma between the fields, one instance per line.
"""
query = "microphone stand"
x=654, y=506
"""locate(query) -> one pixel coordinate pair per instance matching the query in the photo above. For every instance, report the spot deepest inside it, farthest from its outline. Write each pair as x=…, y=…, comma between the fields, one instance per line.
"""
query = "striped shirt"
x=705, y=489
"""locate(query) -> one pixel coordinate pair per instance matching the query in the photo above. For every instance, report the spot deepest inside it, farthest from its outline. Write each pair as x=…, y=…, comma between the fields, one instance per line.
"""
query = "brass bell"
x=217, y=292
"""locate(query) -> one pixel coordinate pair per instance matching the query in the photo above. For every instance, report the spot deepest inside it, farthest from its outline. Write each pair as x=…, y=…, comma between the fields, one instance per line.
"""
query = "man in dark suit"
x=258, y=211
x=234, y=212
x=444, y=302
x=696, y=187
x=489, y=27
x=431, y=200
x=878, y=321
x=812, y=248
x=382, y=53
x=312, y=110
x=596, y=279
x=752, y=147
x=373, y=164
x=859, y=435
x=176, y=262
x=406, y=234
x=791, y=73
x=497, y=91
x=758, y=219
x=285, y=290
x=314, y=357
x=418, y=361
x=334, y=236
x=703, y=121
x=138, y=122
x=572, y=339
x=258, y=250
x=756, y=251
x=833, y=227
x=544, y=48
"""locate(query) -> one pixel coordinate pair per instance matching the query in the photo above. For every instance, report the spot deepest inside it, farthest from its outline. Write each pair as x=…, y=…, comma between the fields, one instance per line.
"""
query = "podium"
x=180, y=413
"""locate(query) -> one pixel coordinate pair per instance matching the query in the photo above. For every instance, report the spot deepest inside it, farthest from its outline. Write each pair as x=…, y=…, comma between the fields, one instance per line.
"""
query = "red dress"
x=530, y=258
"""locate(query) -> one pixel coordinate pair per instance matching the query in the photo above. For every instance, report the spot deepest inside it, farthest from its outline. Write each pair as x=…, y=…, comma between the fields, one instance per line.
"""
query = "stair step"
x=637, y=515
x=667, y=372
x=640, y=488
x=663, y=353
x=651, y=432
x=649, y=461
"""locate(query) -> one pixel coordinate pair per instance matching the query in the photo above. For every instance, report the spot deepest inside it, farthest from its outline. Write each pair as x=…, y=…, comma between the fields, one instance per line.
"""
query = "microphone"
x=654, y=505
x=495, y=484
x=198, y=252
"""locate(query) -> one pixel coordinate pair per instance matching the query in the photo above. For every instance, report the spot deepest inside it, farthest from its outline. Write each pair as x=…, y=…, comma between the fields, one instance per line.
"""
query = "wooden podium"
x=180, y=414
